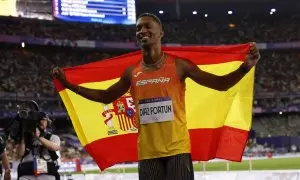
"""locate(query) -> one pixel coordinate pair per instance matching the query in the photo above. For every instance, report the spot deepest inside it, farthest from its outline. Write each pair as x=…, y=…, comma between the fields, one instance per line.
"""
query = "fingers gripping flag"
x=218, y=122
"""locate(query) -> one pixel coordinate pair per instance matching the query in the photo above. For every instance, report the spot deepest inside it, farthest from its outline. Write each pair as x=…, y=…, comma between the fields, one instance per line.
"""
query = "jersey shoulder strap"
x=47, y=136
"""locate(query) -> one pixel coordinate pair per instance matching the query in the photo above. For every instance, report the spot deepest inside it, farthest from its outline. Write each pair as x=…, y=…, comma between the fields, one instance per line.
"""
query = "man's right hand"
x=59, y=74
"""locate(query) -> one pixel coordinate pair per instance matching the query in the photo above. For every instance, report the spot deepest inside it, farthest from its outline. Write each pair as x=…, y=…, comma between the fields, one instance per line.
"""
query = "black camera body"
x=29, y=120
x=26, y=121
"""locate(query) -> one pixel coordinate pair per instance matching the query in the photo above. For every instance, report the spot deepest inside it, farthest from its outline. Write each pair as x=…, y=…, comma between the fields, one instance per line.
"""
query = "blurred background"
x=37, y=35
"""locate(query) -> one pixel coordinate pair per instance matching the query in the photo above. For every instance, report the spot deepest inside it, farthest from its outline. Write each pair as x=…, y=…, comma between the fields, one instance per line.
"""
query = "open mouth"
x=144, y=37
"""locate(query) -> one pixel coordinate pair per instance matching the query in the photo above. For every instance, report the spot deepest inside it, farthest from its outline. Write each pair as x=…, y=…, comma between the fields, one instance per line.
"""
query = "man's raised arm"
x=187, y=69
x=104, y=96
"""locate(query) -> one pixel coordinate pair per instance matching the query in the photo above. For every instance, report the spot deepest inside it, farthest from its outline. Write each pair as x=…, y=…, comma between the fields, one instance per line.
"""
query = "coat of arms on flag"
x=121, y=116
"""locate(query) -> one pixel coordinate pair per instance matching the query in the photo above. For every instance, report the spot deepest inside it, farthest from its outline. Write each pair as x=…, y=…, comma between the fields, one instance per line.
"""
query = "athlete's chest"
x=154, y=79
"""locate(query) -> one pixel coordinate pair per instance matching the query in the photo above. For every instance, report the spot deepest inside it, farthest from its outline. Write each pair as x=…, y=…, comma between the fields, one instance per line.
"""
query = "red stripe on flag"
x=113, y=150
x=235, y=140
x=206, y=144
x=127, y=123
x=114, y=67
x=124, y=123
x=121, y=122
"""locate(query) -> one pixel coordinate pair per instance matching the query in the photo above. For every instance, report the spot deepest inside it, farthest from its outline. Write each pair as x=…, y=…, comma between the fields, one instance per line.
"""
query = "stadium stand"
x=244, y=29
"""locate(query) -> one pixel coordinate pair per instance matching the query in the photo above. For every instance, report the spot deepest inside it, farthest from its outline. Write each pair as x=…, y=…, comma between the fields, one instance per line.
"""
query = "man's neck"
x=152, y=55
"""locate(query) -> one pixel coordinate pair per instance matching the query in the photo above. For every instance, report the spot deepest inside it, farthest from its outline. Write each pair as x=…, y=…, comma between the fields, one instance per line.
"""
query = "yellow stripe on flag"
x=206, y=108
x=87, y=117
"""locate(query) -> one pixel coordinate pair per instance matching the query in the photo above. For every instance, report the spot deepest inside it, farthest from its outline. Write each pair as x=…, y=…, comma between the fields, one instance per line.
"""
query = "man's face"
x=43, y=123
x=148, y=32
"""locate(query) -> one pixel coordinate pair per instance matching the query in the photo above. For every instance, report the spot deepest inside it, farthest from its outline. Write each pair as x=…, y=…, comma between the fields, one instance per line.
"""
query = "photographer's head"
x=44, y=121
x=43, y=124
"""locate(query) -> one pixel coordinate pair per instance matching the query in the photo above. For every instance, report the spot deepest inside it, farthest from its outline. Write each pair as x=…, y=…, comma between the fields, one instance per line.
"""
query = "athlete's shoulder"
x=135, y=67
x=129, y=69
x=127, y=74
x=183, y=62
x=183, y=67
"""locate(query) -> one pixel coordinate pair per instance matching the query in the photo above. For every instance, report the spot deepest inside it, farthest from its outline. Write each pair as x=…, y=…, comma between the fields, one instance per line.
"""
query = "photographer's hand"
x=37, y=132
x=7, y=175
x=20, y=148
x=49, y=144
x=5, y=163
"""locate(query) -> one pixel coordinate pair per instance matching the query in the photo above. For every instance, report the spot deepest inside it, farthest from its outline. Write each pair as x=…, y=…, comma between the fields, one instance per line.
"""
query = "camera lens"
x=23, y=114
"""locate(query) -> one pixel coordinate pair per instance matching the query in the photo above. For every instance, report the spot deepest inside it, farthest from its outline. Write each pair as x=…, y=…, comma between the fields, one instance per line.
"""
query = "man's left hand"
x=253, y=57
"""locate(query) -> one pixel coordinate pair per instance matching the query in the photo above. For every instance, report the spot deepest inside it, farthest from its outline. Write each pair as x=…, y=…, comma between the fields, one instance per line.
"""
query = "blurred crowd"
x=24, y=71
x=277, y=125
x=278, y=72
x=277, y=134
x=211, y=31
x=28, y=71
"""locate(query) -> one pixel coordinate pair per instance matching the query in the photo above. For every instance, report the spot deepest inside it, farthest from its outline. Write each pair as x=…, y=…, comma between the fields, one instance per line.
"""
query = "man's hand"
x=59, y=74
x=253, y=57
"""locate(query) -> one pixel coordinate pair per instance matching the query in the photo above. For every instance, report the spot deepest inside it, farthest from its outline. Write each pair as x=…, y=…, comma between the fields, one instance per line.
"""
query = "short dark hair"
x=154, y=17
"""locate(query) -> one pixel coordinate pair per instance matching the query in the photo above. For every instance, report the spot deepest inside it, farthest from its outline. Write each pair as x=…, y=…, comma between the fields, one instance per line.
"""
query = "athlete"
x=157, y=86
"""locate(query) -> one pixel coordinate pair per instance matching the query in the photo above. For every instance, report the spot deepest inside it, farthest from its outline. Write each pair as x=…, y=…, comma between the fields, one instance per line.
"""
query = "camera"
x=26, y=120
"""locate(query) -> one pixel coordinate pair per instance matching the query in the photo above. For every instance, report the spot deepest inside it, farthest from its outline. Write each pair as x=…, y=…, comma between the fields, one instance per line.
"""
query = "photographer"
x=37, y=151
x=4, y=159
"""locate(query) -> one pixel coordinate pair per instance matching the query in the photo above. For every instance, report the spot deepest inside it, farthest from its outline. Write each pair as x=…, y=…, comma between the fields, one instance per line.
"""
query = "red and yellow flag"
x=218, y=122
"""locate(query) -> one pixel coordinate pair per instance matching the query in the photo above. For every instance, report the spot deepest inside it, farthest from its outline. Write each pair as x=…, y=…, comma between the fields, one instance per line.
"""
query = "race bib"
x=41, y=166
x=155, y=110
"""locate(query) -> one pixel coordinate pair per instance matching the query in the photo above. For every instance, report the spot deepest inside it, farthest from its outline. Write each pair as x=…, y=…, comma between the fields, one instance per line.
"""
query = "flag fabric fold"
x=218, y=122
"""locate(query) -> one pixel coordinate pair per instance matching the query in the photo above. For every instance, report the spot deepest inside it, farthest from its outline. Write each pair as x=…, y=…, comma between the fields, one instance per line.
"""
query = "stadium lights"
x=230, y=12
x=273, y=10
x=231, y=25
x=161, y=12
x=194, y=12
x=205, y=15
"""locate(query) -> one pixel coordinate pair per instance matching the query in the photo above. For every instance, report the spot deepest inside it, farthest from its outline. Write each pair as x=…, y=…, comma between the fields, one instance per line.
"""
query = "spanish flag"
x=218, y=122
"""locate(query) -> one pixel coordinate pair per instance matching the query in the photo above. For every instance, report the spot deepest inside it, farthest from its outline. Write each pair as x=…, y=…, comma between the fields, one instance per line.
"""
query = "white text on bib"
x=156, y=110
